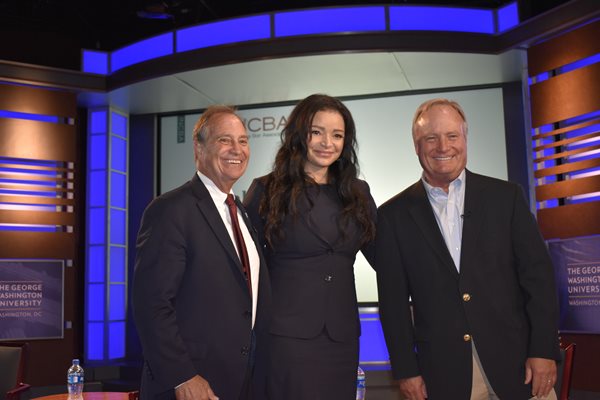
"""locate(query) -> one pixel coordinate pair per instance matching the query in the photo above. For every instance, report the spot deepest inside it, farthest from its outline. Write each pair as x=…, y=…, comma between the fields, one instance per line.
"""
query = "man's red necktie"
x=239, y=240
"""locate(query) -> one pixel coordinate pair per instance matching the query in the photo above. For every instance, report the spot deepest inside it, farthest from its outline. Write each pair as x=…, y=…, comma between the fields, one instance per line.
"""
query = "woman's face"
x=325, y=142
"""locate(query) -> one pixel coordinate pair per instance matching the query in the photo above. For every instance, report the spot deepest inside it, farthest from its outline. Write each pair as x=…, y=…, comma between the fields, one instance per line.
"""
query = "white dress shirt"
x=449, y=213
x=218, y=198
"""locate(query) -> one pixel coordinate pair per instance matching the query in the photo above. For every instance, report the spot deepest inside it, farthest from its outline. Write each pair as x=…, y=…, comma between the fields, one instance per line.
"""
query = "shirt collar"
x=217, y=195
x=433, y=191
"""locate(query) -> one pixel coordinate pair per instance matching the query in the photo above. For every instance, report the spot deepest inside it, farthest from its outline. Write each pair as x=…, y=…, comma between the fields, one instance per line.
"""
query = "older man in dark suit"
x=201, y=289
x=467, y=251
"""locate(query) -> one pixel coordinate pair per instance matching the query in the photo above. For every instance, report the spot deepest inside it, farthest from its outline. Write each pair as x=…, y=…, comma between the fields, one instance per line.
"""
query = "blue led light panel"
x=118, y=190
x=145, y=50
x=117, y=226
x=372, y=342
x=582, y=118
x=97, y=189
x=33, y=117
x=508, y=17
x=118, y=297
x=331, y=20
x=95, y=62
x=96, y=266
x=116, y=340
x=95, y=302
x=119, y=124
x=97, y=152
x=118, y=154
x=95, y=341
x=98, y=123
x=97, y=226
x=117, y=264
x=417, y=18
x=581, y=63
x=224, y=32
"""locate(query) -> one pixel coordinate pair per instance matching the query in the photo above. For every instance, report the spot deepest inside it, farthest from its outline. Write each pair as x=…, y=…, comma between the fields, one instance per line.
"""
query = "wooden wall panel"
x=31, y=100
x=36, y=200
x=570, y=167
x=41, y=172
x=37, y=217
x=37, y=140
x=24, y=244
x=566, y=96
x=565, y=49
x=568, y=188
x=566, y=161
x=569, y=221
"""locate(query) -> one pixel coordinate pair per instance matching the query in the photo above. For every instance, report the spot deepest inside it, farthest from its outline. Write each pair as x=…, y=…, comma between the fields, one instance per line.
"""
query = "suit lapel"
x=312, y=228
x=420, y=210
x=249, y=225
x=263, y=277
x=207, y=207
x=472, y=222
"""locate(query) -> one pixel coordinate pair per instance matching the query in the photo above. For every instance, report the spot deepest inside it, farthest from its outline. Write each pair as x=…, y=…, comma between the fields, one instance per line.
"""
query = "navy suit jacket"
x=504, y=297
x=191, y=303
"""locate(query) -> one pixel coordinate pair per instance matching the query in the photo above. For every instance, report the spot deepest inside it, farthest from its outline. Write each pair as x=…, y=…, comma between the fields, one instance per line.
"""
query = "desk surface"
x=89, y=396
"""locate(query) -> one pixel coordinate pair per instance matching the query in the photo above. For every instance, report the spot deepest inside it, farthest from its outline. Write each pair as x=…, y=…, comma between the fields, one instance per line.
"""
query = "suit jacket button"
x=244, y=351
x=467, y=337
x=328, y=278
x=466, y=297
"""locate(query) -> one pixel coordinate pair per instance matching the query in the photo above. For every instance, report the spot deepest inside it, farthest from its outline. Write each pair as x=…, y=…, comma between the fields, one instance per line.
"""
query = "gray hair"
x=429, y=104
x=204, y=123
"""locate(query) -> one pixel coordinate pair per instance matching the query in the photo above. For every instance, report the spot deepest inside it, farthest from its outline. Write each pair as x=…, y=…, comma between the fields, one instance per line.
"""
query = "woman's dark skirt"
x=311, y=369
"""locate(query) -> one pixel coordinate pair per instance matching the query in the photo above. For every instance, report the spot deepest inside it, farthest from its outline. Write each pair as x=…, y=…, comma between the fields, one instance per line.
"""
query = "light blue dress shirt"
x=449, y=213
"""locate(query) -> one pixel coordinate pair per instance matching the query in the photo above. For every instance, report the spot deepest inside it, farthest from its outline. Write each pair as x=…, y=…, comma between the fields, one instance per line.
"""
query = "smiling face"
x=441, y=144
x=324, y=144
x=223, y=154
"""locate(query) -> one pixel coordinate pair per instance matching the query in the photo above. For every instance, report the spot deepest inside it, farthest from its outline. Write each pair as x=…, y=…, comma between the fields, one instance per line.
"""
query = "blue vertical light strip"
x=96, y=236
x=106, y=242
x=117, y=234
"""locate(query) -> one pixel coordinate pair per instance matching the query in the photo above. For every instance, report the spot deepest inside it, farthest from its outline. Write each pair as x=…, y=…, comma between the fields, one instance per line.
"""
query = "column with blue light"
x=106, y=247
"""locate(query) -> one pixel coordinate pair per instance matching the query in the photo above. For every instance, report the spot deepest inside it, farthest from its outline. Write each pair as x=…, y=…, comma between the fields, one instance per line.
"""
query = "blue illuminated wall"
x=330, y=20
x=106, y=263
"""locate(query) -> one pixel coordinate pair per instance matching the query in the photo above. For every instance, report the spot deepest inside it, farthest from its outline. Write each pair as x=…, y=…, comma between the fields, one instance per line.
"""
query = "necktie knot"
x=230, y=200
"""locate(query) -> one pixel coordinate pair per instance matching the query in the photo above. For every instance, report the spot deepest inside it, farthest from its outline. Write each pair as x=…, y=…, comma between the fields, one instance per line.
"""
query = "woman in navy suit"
x=314, y=215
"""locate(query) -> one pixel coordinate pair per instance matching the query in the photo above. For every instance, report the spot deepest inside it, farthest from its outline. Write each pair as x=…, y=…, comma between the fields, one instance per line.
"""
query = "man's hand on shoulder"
x=413, y=388
x=542, y=373
x=196, y=388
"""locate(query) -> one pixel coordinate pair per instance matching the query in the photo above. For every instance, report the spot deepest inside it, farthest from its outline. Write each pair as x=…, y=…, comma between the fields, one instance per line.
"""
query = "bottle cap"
x=76, y=361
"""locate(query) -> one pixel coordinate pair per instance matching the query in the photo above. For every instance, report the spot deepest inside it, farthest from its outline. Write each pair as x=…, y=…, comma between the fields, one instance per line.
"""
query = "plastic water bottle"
x=75, y=380
x=361, y=386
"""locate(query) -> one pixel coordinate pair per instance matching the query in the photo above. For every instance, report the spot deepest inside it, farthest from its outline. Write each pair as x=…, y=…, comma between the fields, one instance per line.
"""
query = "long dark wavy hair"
x=288, y=181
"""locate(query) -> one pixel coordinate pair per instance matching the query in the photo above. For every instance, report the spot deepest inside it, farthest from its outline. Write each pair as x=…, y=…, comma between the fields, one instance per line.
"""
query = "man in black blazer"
x=466, y=249
x=198, y=310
